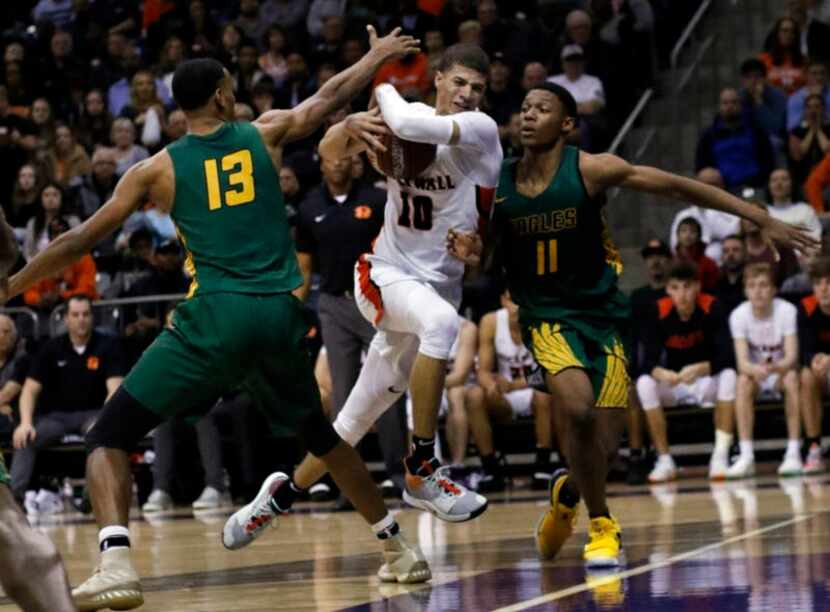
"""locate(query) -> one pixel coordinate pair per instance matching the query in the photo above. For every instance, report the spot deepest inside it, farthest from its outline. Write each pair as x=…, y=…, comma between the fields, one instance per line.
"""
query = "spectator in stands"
x=94, y=125
x=200, y=31
x=17, y=139
x=579, y=30
x=736, y=145
x=69, y=381
x=351, y=51
x=799, y=284
x=60, y=73
x=657, y=257
x=766, y=103
x=816, y=84
x=814, y=340
x=758, y=250
x=533, y=75
x=815, y=34
x=44, y=125
x=127, y=152
x=176, y=126
x=319, y=11
x=52, y=206
x=287, y=14
x=326, y=49
x=810, y=141
x=502, y=99
x=272, y=61
x=14, y=367
x=120, y=93
x=172, y=54
x=229, y=42
x=691, y=248
x=247, y=73
x=145, y=108
x=66, y=161
x=782, y=205
x=409, y=75
x=77, y=279
x=292, y=191
x=250, y=20
x=783, y=57
x=588, y=93
x=19, y=86
x=434, y=46
x=25, y=197
x=503, y=394
x=97, y=186
x=56, y=12
x=730, y=288
x=686, y=349
x=511, y=142
x=764, y=332
x=469, y=32
x=298, y=85
x=262, y=96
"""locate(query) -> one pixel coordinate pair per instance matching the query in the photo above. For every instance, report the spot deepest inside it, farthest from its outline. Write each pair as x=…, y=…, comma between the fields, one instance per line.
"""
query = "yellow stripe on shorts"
x=614, y=392
x=551, y=350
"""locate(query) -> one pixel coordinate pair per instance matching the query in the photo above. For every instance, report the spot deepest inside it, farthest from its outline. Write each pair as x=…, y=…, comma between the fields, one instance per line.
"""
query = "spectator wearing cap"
x=817, y=83
x=766, y=103
x=690, y=247
x=730, y=287
x=810, y=141
x=98, y=185
x=501, y=100
x=715, y=225
x=78, y=278
x=736, y=145
x=579, y=30
x=657, y=257
x=337, y=223
x=588, y=92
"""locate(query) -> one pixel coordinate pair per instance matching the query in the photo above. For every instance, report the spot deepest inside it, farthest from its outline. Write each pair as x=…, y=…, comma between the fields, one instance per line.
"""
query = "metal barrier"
x=21, y=316
x=687, y=33
x=110, y=314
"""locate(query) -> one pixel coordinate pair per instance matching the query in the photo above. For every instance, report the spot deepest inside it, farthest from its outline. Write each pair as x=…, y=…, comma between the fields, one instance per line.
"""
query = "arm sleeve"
x=407, y=123
x=806, y=338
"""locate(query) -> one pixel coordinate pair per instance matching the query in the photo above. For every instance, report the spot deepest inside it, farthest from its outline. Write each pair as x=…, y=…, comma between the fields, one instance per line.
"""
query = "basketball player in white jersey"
x=503, y=394
x=410, y=287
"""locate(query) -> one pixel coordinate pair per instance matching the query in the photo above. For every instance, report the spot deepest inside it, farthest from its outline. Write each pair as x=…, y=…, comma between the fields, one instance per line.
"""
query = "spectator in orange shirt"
x=817, y=183
x=409, y=75
x=786, y=66
x=77, y=279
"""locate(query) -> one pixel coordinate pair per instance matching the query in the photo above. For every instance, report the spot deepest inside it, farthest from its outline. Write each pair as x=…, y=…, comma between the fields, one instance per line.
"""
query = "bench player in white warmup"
x=410, y=286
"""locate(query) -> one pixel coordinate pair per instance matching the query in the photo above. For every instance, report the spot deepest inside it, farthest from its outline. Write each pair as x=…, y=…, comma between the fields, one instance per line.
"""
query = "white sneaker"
x=159, y=501
x=49, y=502
x=403, y=562
x=209, y=499
x=744, y=467
x=718, y=466
x=432, y=489
x=664, y=470
x=791, y=466
x=814, y=463
x=114, y=585
x=30, y=503
x=247, y=524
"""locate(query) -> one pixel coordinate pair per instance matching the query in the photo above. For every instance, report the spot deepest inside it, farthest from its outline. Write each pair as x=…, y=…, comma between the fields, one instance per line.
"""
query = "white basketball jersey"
x=420, y=211
x=512, y=360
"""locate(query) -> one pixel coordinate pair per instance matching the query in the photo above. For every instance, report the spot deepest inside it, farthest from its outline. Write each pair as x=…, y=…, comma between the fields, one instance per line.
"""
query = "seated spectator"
x=176, y=126
x=758, y=249
x=14, y=367
x=77, y=279
x=172, y=54
x=766, y=103
x=66, y=162
x=736, y=145
x=816, y=84
x=247, y=73
x=533, y=75
x=814, y=340
x=229, y=42
x=121, y=92
x=287, y=13
x=408, y=74
x=810, y=141
x=715, y=225
x=686, y=350
x=262, y=96
x=599, y=55
x=318, y=11
x=511, y=142
x=69, y=381
x=783, y=57
x=44, y=126
x=691, y=248
x=95, y=123
x=298, y=85
x=586, y=89
x=250, y=19
x=135, y=264
x=272, y=61
x=326, y=48
x=145, y=108
x=815, y=38
x=52, y=206
x=127, y=152
x=782, y=206
x=504, y=363
x=730, y=287
x=25, y=197
x=764, y=331
x=469, y=32
x=502, y=100
x=799, y=284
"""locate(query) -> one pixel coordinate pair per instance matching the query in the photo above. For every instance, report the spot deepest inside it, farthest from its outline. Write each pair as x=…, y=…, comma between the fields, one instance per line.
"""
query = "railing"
x=19, y=314
x=632, y=117
x=109, y=314
x=687, y=33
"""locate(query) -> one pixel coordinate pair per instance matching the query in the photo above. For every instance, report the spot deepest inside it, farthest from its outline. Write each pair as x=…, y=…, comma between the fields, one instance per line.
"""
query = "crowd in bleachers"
x=85, y=93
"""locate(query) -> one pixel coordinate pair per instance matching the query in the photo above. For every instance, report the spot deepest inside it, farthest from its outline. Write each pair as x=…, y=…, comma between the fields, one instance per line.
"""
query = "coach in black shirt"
x=337, y=223
x=69, y=380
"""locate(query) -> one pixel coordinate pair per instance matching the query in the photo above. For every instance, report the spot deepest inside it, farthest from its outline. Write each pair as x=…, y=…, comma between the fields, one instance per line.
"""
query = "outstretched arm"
x=604, y=171
x=129, y=194
x=353, y=135
x=282, y=126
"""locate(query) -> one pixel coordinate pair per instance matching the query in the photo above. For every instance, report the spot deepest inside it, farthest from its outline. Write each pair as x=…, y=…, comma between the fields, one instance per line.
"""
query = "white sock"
x=746, y=449
x=117, y=532
x=386, y=527
x=793, y=448
x=723, y=441
x=665, y=458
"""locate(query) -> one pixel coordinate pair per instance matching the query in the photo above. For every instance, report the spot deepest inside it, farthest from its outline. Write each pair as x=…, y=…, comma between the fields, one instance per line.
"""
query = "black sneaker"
x=637, y=471
x=389, y=490
x=491, y=483
x=320, y=492
x=541, y=478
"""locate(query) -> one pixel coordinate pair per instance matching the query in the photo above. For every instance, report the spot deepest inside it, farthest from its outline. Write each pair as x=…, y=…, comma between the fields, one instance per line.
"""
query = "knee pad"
x=122, y=424
x=318, y=434
x=648, y=393
x=727, y=385
x=440, y=332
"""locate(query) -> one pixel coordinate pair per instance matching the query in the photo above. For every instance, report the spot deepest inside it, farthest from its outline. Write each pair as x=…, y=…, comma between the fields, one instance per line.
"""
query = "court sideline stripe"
x=579, y=588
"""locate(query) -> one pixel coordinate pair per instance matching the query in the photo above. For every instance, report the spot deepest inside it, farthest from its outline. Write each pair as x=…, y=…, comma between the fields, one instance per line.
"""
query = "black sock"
x=606, y=514
x=543, y=458
x=635, y=454
x=423, y=450
x=115, y=542
x=286, y=495
x=490, y=464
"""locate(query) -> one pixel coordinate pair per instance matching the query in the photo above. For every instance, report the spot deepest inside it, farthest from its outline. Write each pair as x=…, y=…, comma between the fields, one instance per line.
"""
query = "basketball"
x=404, y=159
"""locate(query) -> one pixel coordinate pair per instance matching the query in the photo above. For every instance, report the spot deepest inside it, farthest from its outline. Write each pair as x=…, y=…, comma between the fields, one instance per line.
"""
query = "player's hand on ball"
x=393, y=44
x=367, y=127
x=465, y=246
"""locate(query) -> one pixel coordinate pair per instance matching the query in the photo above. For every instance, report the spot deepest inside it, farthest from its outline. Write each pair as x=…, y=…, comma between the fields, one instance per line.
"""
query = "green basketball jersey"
x=560, y=262
x=230, y=214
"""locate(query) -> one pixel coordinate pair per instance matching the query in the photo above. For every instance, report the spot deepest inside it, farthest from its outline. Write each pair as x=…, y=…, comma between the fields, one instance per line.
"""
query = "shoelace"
x=445, y=482
x=267, y=513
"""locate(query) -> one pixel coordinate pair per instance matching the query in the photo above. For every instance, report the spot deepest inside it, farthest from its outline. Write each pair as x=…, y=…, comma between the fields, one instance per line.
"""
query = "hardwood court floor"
x=761, y=544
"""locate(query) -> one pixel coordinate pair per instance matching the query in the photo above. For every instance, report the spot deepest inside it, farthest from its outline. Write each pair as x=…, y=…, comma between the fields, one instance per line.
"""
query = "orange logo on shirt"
x=362, y=212
x=92, y=363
